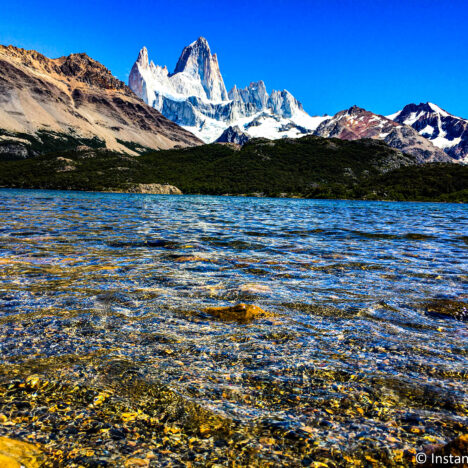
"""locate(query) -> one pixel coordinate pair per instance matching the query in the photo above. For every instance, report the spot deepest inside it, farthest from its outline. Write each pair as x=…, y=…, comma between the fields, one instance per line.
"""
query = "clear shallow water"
x=106, y=292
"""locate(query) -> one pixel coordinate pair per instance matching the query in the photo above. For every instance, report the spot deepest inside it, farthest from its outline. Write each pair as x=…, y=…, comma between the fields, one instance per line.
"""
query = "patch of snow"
x=437, y=109
x=310, y=122
x=210, y=130
x=427, y=131
x=411, y=119
x=443, y=143
x=393, y=116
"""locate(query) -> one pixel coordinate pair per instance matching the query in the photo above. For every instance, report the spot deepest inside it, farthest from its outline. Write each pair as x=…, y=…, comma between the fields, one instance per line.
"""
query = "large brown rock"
x=17, y=454
x=157, y=189
x=447, y=309
x=238, y=312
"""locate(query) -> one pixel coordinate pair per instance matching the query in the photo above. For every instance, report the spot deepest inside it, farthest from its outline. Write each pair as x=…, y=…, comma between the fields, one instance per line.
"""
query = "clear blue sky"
x=331, y=54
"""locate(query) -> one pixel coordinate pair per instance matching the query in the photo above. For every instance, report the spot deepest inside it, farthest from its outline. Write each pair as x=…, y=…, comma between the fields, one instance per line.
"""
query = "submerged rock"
x=191, y=258
x=454, y=453
x=16, y=454
x=447, y=309
x=238, y=312
x=254, y=288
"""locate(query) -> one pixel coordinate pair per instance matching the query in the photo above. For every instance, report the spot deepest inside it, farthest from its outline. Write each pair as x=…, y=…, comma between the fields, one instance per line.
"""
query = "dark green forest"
x=310, y=167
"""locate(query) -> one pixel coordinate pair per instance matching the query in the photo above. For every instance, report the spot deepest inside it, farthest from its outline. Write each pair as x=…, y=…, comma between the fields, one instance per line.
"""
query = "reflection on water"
x=108, y=357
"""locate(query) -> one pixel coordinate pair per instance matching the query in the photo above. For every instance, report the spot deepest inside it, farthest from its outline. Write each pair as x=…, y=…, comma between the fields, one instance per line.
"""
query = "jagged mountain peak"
x=253, y=86
x=437, y=109
x=426, y=108
x=87, y=70
x=257, y=84
x=143, y=57
x=355, y=110
x=284, y=103
x=193, y=56
x=200, y=42
x=284, y=92
x=197, y=61
x=234, y=134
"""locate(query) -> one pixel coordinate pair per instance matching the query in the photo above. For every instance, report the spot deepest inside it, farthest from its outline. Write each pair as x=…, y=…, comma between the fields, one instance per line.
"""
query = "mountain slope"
x=74, y=100
x=444, y=130
x=195, y=97
x=355, y=123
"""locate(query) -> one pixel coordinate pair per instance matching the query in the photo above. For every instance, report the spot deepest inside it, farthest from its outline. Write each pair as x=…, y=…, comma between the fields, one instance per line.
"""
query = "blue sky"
x=330, y=54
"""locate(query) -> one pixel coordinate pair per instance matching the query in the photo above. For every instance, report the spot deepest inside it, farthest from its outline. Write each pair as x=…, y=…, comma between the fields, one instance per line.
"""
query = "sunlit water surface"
x=101, y=303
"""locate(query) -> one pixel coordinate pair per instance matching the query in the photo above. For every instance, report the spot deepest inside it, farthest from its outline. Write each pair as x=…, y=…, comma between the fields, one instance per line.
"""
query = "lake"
x=108, y=355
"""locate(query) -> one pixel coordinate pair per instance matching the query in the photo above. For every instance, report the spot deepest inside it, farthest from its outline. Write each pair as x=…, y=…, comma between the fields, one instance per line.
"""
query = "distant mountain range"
x=195, y=97
x=60, y=104
x=356, y=123
x=71, y=101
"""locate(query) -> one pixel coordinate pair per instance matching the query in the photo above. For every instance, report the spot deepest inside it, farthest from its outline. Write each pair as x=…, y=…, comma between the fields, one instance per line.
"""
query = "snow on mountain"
x=444, y=130
x=195, y=97
x=356, y=123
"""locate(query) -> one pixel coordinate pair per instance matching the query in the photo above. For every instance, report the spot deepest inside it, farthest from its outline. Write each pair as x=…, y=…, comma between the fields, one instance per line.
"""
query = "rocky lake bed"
x=163, y=330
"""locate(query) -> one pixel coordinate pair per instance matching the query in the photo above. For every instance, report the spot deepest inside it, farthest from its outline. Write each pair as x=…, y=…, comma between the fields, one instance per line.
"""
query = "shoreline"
x=292, y=197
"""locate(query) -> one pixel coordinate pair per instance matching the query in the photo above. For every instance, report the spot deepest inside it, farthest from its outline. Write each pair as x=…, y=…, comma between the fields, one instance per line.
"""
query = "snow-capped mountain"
x=444, y=130
x=195, y=97
x=355, y=123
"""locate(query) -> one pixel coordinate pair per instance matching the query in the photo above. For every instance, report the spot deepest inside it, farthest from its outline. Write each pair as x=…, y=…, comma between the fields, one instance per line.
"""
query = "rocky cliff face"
x=234, y=135
x=356, y=123
x=71, y=101
x=444, y=130
x=197, y=61
x=255, y=94
x=195, y=97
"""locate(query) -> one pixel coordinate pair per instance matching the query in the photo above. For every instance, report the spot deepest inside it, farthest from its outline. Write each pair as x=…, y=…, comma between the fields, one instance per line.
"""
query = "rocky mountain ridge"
x=73, y=101
x=444, y=130
x=356, y=123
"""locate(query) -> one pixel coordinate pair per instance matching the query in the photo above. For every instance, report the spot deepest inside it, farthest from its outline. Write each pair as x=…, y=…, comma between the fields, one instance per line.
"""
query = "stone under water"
x=240, y=312
x=17, y=454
